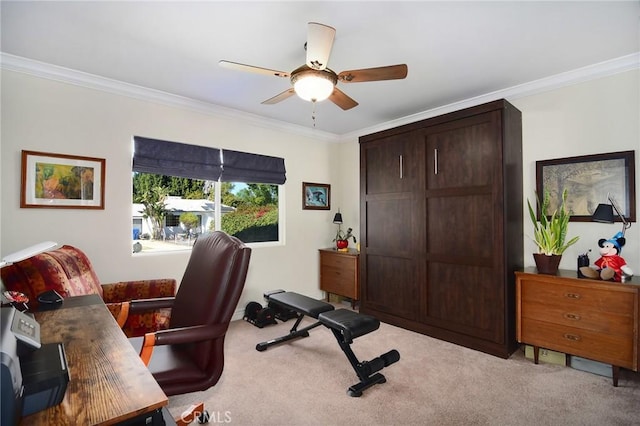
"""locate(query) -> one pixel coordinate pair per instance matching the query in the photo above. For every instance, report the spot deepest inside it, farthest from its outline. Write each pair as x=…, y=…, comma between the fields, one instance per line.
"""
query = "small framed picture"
x=61, y=181
x=316, y=196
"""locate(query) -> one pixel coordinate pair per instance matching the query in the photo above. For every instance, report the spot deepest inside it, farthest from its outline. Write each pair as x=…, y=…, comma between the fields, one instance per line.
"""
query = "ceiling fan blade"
x=251, y=68
x=319, y=43
x=339, y=98
x=391, y=72
x=279, y=97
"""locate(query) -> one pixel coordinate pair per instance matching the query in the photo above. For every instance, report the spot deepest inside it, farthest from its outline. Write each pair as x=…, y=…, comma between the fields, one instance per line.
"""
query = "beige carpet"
x=304, y=382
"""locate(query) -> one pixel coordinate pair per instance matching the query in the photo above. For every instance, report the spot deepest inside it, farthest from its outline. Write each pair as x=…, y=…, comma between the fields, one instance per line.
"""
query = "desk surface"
x=109, y=383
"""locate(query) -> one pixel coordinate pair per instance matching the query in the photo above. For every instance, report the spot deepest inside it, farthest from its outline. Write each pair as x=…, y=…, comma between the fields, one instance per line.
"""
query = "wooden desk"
x=108, y=382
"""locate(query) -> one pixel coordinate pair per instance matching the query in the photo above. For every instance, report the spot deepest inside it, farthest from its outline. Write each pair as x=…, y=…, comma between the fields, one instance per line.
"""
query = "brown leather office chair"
x=188, y=356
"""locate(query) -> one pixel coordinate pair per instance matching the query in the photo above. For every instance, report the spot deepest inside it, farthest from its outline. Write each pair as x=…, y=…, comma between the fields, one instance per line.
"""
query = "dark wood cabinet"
x=441, y=225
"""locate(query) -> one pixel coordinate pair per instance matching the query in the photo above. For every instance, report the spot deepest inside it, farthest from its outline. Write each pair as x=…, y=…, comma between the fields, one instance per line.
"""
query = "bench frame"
x=367, y=371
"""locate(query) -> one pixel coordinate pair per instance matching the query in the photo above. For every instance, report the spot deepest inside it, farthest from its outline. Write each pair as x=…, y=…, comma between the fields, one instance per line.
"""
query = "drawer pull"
x=573, y=295
x=573, y=337
x=574, y=317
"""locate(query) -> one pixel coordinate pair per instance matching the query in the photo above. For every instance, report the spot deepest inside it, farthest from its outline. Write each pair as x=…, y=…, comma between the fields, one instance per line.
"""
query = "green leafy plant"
x=550, y=232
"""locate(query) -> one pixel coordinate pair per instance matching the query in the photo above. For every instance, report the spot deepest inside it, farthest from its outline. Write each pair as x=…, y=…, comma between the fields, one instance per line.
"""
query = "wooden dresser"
x=339, y=273
x=593, y=319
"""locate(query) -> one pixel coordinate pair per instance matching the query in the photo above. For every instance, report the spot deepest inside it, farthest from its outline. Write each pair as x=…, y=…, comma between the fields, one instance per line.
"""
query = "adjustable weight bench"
x=345, y=325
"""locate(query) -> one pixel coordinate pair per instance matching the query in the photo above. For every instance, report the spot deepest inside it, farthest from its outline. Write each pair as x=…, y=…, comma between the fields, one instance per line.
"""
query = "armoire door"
x=392, y=174
x=464, y=247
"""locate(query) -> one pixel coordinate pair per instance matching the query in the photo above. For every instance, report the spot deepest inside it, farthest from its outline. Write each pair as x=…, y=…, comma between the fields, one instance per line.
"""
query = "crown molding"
x=66, y=75
x=580, y=75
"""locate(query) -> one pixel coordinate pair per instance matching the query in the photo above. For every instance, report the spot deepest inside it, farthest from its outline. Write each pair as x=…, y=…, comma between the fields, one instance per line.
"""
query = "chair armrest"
x=196, y=333
x=144, y=305
x=120, y=312
x=141, y=289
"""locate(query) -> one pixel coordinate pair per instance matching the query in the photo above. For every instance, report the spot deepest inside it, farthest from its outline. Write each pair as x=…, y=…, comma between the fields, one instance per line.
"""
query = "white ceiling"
x=455, y=51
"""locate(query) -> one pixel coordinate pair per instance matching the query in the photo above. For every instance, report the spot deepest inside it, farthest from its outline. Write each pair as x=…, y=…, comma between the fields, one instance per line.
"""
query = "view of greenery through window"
x=249, y=211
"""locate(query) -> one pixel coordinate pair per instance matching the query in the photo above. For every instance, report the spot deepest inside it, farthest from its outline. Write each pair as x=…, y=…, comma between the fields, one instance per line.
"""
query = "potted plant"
x=550, y=234
x=342, y=238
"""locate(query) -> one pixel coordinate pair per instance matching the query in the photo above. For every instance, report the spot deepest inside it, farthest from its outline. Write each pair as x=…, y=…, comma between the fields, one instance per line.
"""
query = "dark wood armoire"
x=441, y=226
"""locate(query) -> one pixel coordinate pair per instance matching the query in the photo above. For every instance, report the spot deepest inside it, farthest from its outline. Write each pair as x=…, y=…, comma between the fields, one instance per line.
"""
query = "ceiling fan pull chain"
x=313, y=113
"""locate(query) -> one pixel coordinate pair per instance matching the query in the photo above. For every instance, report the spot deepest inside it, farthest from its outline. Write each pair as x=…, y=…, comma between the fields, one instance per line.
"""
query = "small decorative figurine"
x=610, y=266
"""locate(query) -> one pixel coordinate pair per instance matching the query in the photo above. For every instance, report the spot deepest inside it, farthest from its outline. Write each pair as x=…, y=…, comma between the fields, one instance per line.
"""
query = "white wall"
x=44, y=115
x=595, y=117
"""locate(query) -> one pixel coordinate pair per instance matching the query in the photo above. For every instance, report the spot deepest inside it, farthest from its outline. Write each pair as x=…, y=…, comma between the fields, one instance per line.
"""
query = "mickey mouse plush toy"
x=611, y=266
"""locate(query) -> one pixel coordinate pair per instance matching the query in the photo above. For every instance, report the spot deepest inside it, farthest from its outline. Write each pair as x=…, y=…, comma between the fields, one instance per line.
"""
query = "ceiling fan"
x=315, y=82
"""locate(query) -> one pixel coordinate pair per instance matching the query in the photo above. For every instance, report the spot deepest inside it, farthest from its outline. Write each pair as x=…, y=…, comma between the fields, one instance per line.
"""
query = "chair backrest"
x=210, y=288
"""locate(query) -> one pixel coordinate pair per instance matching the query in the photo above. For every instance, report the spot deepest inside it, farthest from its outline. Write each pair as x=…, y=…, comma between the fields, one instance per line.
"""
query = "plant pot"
x=547, y=264
x=342, y=244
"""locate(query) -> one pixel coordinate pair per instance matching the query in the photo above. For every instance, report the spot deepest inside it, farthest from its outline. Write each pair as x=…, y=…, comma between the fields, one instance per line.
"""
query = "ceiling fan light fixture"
x=314, y=85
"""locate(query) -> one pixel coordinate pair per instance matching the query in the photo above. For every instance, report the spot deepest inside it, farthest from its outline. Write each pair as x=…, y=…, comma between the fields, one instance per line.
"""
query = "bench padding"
x=349, y=323
x=300, y=303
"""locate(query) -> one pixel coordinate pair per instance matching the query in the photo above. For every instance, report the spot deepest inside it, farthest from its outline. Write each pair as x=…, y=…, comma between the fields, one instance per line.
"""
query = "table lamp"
x=604, y=214
x=338, y=220
x=27, y=253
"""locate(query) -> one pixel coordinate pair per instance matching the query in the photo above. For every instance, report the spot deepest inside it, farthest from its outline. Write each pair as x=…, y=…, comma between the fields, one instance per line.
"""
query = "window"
x=172, y=220
x=170, y=177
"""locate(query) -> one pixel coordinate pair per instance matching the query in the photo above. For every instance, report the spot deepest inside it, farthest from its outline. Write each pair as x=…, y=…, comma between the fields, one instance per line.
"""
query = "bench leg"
x=366, y=369
x=294, y=333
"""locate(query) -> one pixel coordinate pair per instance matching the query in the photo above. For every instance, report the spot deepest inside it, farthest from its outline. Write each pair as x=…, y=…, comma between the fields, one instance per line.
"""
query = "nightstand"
x=339, y=273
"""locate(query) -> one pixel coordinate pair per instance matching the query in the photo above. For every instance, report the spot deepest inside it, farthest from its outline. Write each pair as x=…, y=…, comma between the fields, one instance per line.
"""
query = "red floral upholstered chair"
x=68, y=271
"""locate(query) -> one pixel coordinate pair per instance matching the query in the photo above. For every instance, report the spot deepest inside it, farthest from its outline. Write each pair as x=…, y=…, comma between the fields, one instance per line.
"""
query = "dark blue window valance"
x=176, y=159
x=199, y=162
x=252, y=168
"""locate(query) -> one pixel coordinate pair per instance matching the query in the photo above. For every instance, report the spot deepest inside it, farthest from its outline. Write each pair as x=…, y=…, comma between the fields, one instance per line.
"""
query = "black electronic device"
x=24, y=328
x=33, y=376
x=49, y=299
x=44, y=377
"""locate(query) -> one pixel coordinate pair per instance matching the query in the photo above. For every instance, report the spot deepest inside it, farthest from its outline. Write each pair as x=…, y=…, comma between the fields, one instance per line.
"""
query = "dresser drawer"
x=339, y=273
x=338, y=261
x=578, y=316
x=579, y=297
x=336, y=281
x=609, y=348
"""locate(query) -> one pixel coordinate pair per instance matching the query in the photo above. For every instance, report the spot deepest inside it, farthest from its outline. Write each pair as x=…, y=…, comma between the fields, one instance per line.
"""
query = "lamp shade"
x=27, y=252
x=337, y=218
x=313, y=88
x=604, y=214
x=313, y=85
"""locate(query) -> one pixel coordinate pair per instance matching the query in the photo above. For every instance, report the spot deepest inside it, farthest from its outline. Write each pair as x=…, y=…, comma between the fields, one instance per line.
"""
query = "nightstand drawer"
x=612, y=349
x=338, y=261
x=335, y=281
x=339, y=273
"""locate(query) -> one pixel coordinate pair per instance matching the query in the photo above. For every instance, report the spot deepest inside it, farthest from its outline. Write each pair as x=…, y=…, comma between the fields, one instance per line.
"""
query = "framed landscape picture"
x=61, y=181
x=589, y=180
x=316, y=196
